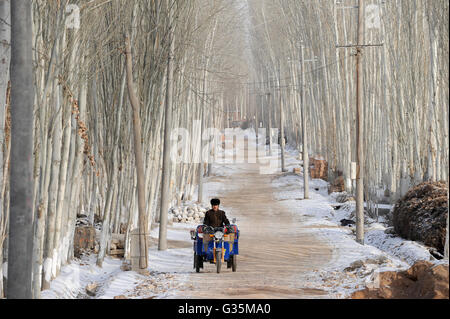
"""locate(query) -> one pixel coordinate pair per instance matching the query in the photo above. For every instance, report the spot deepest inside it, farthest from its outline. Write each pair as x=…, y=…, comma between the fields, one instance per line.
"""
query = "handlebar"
x=211, y=230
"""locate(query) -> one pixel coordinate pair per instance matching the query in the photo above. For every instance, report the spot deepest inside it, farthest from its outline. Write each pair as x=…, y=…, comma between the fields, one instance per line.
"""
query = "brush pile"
x=421, y=214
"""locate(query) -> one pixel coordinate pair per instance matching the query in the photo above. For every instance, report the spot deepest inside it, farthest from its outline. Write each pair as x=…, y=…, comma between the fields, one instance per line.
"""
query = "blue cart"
x=216, y=246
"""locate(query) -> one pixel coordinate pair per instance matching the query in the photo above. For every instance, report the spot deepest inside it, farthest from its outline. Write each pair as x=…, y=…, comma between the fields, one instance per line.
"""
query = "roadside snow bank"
x=407, y=250
x=74, y=278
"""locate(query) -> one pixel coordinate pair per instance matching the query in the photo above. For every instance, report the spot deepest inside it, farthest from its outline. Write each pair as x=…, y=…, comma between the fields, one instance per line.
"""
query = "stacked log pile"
x=84, y=240
x=318, y=168
x=337, y=186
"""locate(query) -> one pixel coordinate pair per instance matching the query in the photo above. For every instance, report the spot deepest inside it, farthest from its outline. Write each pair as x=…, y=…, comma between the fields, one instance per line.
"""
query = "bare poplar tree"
x=143, y=231
x=162, y=243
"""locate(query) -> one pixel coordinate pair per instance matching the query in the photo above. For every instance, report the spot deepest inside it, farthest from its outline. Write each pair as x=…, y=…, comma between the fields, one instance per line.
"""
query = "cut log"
x=117, y=252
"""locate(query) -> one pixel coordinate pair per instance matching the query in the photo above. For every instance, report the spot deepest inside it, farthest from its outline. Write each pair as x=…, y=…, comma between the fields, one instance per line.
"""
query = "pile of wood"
x=337, y=186
x=422, y=214
x=83, y=240
x=318, y=168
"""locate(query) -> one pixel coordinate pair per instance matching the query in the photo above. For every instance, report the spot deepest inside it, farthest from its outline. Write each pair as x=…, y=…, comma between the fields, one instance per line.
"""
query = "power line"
x=270, y=81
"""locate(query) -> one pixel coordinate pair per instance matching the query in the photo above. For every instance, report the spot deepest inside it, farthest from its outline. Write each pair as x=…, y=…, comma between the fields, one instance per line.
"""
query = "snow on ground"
x=74, y=278
x=407, y=250
x=353, y=266
x=113, y=281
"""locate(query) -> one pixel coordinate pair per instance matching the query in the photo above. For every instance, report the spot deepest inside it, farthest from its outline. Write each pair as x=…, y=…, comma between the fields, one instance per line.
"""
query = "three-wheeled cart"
x=216, y=246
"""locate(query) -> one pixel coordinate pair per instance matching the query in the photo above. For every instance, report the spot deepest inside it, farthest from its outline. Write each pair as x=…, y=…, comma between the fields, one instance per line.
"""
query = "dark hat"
x=215, y=201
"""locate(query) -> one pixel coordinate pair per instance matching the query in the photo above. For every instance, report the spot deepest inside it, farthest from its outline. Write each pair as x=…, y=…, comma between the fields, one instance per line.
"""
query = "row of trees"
x=405, y=84
x=84, y=160
x=227, y=56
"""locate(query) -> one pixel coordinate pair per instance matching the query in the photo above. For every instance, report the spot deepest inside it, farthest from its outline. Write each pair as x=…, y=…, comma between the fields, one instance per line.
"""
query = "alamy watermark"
x=230, y=146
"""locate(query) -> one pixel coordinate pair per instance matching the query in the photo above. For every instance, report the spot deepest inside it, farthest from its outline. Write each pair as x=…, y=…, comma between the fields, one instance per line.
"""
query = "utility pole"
x=282, y=144
x=305, y=155
x=254, y=110
x=302, y=86
x=304, y=132
x=20, y=247
x=359, y=130
x=269, y=112
x=269, y=109
x=359, y=121
x=261, y=120
x=164, y=207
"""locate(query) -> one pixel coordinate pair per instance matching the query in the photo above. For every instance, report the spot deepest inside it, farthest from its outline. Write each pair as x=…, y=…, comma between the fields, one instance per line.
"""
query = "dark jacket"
x=216, y=219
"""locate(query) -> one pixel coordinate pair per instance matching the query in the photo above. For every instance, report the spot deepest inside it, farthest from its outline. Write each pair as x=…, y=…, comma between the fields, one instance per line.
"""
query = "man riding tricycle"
x=216, y=241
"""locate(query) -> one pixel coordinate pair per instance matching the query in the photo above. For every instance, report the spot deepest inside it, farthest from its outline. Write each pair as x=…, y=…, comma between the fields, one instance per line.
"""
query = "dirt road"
x=274, y=251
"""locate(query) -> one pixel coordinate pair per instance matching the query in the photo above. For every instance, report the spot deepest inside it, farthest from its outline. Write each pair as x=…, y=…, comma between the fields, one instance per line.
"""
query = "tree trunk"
x=165, y=185
x=143, y=231
x=21, y=179
x=5, y=36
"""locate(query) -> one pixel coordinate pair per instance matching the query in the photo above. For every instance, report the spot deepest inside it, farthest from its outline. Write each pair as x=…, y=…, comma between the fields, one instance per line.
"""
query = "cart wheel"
x=218, y=260
x=197, y=262
x=234, y=265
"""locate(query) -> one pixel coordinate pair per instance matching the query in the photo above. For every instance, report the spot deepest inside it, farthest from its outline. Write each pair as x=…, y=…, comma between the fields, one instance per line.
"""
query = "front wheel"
x=218, y=260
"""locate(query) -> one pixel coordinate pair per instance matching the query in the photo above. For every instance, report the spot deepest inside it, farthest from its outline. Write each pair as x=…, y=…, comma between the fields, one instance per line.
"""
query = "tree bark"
x=165, y=185
x=143, y=232
x=21, y=179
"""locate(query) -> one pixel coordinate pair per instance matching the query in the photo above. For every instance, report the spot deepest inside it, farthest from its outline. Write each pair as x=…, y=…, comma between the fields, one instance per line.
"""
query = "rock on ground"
x=187, y=213
x=423, y=280
x=91, y=289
